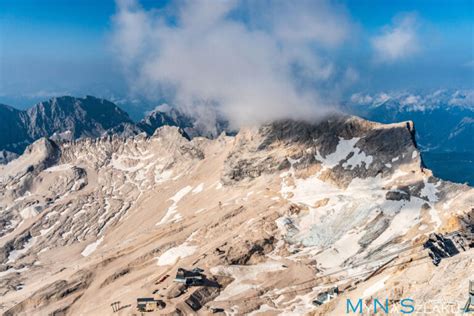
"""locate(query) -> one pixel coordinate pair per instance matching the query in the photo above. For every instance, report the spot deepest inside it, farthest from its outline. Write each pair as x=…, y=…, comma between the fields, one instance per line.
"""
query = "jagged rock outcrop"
x=192, y=126
x=78, y=117
x=164, y=117
x=448, y=245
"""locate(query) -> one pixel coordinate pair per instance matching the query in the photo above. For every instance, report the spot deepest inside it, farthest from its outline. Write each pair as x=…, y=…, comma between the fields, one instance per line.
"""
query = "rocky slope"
x=275, y=216
x=61, y=118
x=164, y=117
x=193, y=127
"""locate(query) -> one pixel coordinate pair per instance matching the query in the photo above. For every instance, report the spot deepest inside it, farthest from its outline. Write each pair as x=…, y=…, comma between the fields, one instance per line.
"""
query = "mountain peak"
x=83, y=117
x=351, y=146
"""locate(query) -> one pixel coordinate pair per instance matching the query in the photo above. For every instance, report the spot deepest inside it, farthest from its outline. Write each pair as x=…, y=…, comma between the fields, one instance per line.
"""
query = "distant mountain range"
x=72, y=118
x=66, y=117
x=444, y=122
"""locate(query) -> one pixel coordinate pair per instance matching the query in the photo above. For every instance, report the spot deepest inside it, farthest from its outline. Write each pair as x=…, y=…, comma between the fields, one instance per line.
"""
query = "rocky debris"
x=397, y=195
x=375, y=229
x=441, y=246
x=202, y=296
x=249, y=251
x=175, y=290
x=115, y=276
x=62, y=291
x=13, y=245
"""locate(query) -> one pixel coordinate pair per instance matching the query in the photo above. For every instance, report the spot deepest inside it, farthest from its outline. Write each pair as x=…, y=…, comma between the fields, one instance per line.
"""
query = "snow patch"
x=172, y=255
x=57, y=168
x=92, y=247
x=198, y=189
x=172, y=212
x=30, y=212
x=162, y=176
x=122, y=166
x=12, y=270
x=429, y=190
x=343, y=149
x=357, y=159
x=44, y=232
x=407, y=216
x=15, y=254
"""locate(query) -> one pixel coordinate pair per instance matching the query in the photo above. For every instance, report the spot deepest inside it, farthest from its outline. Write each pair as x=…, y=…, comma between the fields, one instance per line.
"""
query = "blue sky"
x=63, y=46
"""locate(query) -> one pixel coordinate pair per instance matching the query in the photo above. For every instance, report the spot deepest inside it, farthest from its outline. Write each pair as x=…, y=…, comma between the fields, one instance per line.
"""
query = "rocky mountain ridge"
x=67, y=118
x=276, y=216
x=444, y=120
x=60, y=118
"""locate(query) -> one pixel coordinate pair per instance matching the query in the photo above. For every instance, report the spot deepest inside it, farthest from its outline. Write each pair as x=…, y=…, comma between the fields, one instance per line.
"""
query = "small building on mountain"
x=149, y=304
x=326, y=296
x=189, y=278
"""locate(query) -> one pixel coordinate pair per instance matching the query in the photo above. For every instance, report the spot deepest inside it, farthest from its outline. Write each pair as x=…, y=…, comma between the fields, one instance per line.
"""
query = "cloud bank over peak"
x=397, y=41
x=248, y=64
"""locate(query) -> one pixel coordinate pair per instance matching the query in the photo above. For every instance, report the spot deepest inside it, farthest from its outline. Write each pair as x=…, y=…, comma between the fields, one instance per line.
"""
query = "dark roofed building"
x=193, y=277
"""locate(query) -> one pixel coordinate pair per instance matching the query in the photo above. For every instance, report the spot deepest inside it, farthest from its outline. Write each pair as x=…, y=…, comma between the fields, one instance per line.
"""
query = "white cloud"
x=398, y=41
x=462, y=98
x=361, y=99
x=208, y=60
x=410, y=100
x=382, y=98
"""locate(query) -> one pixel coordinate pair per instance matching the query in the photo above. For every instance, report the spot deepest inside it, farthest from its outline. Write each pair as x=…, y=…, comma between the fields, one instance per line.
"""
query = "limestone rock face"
x=274, y=216
x=351, y=147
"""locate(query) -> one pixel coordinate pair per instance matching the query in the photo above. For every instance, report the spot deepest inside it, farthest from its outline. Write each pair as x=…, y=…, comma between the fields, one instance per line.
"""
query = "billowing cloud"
x=247, y=63
x=397, y=41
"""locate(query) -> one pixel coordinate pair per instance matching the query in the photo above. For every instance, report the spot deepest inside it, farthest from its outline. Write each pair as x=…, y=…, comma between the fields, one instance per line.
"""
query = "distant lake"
x=452, y=166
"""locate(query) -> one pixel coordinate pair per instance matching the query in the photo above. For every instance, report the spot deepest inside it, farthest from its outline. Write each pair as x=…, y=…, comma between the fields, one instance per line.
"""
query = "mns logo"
x=406, y=306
